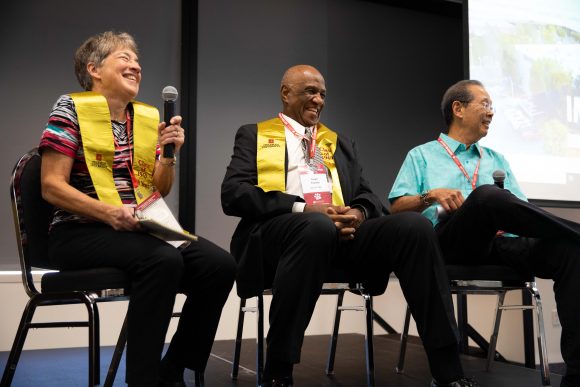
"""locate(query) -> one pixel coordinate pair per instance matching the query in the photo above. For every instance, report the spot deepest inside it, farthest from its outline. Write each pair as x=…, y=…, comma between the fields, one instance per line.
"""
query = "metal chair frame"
x=499, y=288
x=38, y=298
x=337, y=289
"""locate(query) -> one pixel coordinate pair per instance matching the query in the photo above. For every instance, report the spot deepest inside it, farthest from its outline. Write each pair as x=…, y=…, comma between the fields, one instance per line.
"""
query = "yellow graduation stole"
x=99, y=145
x=271, y=154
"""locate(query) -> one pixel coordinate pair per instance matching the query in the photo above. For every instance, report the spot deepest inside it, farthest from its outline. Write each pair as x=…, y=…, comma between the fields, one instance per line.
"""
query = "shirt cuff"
x=298, y=206
x=362, y=209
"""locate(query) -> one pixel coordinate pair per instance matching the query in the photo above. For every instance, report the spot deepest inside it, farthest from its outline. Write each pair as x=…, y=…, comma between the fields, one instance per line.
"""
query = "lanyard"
x=301, y=137
x=129, y=163
x=460, y=166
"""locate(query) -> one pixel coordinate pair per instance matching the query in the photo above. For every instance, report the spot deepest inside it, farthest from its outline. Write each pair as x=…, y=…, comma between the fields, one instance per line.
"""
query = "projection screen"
x=527, y=54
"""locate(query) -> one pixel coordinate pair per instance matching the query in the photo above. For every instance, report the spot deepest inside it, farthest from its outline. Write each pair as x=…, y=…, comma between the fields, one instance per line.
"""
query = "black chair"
x=337, y=284
x=491, y=279
x=32, y=216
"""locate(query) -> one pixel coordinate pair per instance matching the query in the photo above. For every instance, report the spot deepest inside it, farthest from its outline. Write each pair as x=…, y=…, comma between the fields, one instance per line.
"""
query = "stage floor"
x=68, y=367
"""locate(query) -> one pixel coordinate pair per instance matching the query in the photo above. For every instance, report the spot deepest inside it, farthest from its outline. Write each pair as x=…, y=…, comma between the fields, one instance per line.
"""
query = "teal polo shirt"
x=429, y=166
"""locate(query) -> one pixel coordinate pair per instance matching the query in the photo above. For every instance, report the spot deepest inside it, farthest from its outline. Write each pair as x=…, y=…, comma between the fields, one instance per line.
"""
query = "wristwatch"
x=423, y=198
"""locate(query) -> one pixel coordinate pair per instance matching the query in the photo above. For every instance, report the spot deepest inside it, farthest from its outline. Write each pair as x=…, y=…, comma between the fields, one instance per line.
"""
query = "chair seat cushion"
x=486, y=272
x=85, y=280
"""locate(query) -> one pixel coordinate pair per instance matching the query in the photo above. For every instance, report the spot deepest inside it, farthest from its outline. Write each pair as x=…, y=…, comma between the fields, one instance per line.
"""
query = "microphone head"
x=169, y=93
x=498, y=176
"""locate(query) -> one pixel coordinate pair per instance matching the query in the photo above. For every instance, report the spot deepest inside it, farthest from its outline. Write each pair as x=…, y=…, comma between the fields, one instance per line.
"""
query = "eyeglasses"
x=488, y=107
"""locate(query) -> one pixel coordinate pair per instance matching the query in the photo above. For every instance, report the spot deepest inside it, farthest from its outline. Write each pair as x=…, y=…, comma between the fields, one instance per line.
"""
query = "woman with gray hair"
x=102, y=154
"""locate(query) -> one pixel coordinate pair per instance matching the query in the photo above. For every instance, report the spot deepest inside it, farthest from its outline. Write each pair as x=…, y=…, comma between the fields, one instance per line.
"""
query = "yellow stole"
x=271, y=155
x=99, y=145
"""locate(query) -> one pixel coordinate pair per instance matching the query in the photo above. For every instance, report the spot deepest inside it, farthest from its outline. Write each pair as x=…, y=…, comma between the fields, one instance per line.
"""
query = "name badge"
x=315, y=186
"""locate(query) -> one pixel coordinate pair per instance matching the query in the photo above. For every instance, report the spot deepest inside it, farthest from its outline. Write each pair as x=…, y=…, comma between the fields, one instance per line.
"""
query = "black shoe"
x=170, y=375
x=463, y=382
x=282, y=382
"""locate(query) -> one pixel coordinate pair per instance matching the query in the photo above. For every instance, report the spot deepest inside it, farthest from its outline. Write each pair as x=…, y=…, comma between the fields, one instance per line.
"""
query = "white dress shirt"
x=295, y=159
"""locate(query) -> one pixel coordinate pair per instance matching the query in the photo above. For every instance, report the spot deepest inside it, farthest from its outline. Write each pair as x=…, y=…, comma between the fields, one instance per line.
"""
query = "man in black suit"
x=305, y=206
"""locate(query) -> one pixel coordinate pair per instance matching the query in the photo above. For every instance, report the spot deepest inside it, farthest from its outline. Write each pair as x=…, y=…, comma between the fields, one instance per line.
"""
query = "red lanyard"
x=460, y=166
x=129, y=163
x=301, y=137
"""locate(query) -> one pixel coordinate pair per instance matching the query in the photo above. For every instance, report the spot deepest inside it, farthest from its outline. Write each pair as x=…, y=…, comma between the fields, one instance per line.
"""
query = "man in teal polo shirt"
x=450, y=181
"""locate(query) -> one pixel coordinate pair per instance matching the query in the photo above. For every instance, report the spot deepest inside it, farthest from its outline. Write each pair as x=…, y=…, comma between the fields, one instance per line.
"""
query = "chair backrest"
x=32, y=217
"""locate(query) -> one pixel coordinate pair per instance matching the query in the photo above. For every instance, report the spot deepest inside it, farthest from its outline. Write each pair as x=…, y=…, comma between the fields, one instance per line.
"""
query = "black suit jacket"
x=241, y=197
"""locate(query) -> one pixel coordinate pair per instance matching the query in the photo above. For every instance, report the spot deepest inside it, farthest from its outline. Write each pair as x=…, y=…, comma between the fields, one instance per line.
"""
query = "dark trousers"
x=299, y=249
x=548, y=247
x=157, y=271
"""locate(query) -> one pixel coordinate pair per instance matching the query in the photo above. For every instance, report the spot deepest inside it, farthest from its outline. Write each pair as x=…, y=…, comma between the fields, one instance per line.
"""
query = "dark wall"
x=243, y=50
x=386, y=69
x=38, y=40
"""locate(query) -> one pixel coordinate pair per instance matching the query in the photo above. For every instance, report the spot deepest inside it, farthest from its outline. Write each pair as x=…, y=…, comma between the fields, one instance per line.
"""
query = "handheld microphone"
x=498, y=178
x=441, y=213
x=169, y=95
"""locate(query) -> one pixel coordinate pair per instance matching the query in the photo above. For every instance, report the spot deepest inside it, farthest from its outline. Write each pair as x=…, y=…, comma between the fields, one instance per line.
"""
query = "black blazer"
x=241, y=197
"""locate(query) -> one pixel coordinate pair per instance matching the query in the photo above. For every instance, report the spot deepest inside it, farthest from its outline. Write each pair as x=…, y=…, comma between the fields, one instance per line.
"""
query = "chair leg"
x=462, y=323
x=18, y=344
x=334, y=336
x=495, y=332
x=542, y=347
x=260, y=340
x=92, y=316
x=97, y=347
x=369, y=340
x=117, y=355
x=403, y=347
x=238, y=342
x=199, y=379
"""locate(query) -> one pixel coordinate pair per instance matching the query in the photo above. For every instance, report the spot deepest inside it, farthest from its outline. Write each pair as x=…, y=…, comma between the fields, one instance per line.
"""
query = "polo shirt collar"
x=457, y=146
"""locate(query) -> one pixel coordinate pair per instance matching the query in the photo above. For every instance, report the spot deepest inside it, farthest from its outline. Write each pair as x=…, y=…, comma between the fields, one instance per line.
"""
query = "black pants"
x=548, y=247
x=299, y=249
x=157, y=271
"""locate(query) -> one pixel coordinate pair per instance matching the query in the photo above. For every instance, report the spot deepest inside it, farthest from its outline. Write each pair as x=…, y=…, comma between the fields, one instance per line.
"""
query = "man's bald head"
x=303, y=91
x=296, y=74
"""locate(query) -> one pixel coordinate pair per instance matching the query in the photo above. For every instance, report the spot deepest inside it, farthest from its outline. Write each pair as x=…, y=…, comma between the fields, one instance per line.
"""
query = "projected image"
x=527, y=54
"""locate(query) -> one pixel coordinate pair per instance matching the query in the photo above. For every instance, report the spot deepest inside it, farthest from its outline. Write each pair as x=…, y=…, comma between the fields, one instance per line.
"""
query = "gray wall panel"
x=36, y=66
x=385, y=71
x=243, y=50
